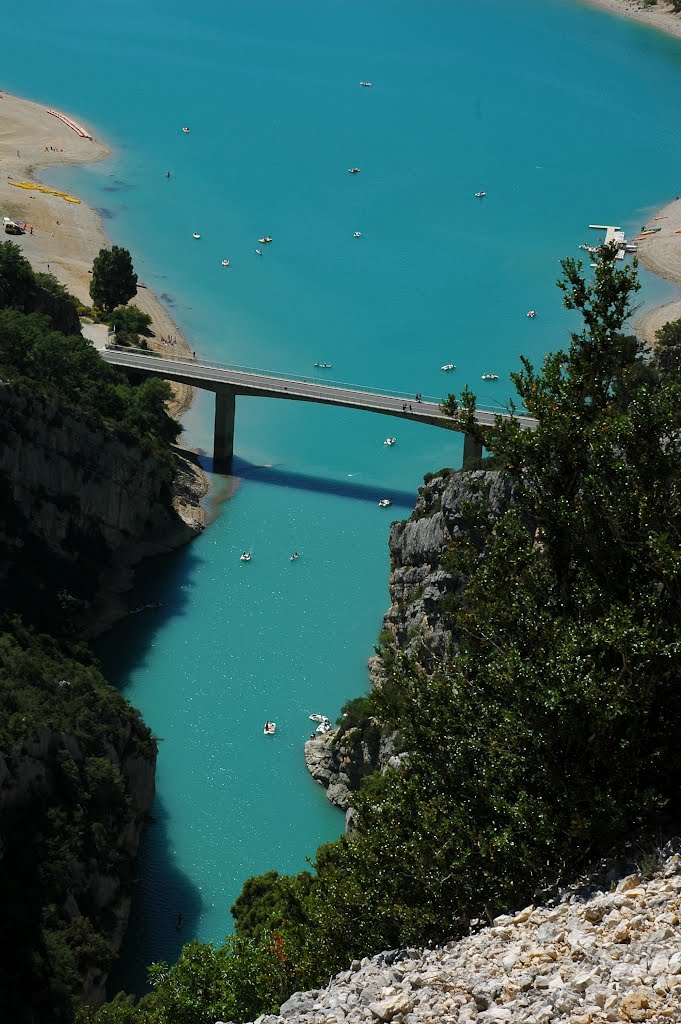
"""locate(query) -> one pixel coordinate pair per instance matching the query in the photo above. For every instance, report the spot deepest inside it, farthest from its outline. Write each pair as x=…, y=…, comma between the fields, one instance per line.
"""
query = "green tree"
x=667, y=355
x=550, y=728
x=17, y=283
x=113, y=280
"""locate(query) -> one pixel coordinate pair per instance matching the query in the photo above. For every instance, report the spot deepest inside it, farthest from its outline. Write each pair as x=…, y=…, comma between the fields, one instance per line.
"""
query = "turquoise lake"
x=563, y=115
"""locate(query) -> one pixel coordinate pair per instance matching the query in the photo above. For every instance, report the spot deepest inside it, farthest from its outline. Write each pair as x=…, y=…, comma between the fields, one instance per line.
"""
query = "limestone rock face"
x=419, y=583
x=339, y=761
x=78, y=490
x=548, y=965
x=418, y=580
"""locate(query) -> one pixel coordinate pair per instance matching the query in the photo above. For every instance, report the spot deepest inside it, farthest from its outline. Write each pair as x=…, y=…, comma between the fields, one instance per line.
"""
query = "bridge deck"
x=241, y=381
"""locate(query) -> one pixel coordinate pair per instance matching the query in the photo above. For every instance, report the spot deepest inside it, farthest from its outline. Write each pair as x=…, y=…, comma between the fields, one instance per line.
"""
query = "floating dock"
x=613, y=233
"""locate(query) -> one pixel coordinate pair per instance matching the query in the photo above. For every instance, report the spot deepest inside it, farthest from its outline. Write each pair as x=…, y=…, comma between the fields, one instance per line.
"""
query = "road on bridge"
x=214, y=377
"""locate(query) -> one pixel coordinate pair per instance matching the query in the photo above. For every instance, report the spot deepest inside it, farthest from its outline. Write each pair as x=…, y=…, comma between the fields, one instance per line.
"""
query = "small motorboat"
x=196, y=235
x=489, y=376
x=366, y=85
x=354, y=170
x=448, y=366
x=480, y=195
x=245, y=556
x=384, y=503
x=179, y=921
x=323, y=366
x=225, y=263
x=390, y=441
x=531, y=313
x=265, y=240
x=318, y=718
x=294, y=556
x=269, y=729
x=357, y=234
x=186, y=131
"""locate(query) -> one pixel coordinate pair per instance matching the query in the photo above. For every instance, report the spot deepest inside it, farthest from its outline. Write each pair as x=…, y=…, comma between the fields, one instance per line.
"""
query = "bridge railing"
x=197, y=362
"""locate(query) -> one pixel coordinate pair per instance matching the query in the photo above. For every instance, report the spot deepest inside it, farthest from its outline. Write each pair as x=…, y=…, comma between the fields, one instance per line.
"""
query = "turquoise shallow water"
x=562, y=114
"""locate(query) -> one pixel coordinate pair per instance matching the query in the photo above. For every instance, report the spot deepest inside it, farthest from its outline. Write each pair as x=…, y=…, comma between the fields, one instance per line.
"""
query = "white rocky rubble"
x=615, y=956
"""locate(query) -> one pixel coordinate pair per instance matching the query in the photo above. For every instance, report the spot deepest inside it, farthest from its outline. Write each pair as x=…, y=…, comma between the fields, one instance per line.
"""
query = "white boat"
x=196, y=235
x=246, y=556
x=390, y=440
x=225, y=263
x=259, y=252
x=323, y=366
x=269, y=728
x=358, y=234
x=318, y=718
x=490, y=376
x=366, y=85
x=448, y=366
x=265, y=240
x=480, y=195
x=354, y=170
x=531, y=313
x=323, y=727
x=186, y=131
x=384, y=503
x=294, y=556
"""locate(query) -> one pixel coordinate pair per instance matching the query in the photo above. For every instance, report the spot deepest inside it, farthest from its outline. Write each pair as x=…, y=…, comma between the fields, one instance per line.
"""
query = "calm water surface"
x=562, y=114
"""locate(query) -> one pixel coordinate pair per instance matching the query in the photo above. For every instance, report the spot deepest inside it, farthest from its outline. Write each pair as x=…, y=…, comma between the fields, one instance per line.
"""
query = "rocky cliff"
x=89, y=878
x=607, y=955
x=82, y=498
x=445, y=512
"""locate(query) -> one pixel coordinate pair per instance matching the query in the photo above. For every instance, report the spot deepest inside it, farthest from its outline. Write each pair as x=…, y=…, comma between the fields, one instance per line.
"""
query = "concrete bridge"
x=229, y=381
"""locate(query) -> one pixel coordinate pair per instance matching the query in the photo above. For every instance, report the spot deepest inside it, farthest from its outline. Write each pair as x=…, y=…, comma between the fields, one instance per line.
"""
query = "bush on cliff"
x=34, y=350
x=552, y=727
x=64, y=811
x=114, y=281
x=70, y=370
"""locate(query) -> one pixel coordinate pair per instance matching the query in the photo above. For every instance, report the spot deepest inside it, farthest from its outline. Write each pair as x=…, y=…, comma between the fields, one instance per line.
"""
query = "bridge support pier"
x=223, y=433
x=472, y=450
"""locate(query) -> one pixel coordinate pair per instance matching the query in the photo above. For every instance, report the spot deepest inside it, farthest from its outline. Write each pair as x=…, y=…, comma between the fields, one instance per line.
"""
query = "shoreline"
x=63, y=238
x=661, y=255
x=659, y=16
x=66, y=236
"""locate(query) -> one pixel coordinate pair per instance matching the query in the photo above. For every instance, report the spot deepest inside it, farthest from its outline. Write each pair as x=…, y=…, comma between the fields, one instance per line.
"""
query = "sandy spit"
x=661, y=15
x=66, y=236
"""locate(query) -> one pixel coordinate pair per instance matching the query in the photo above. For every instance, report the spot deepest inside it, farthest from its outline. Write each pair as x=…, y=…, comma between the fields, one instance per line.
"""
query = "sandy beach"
x=660, y=15
x=661, y=254
x=66, y=236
